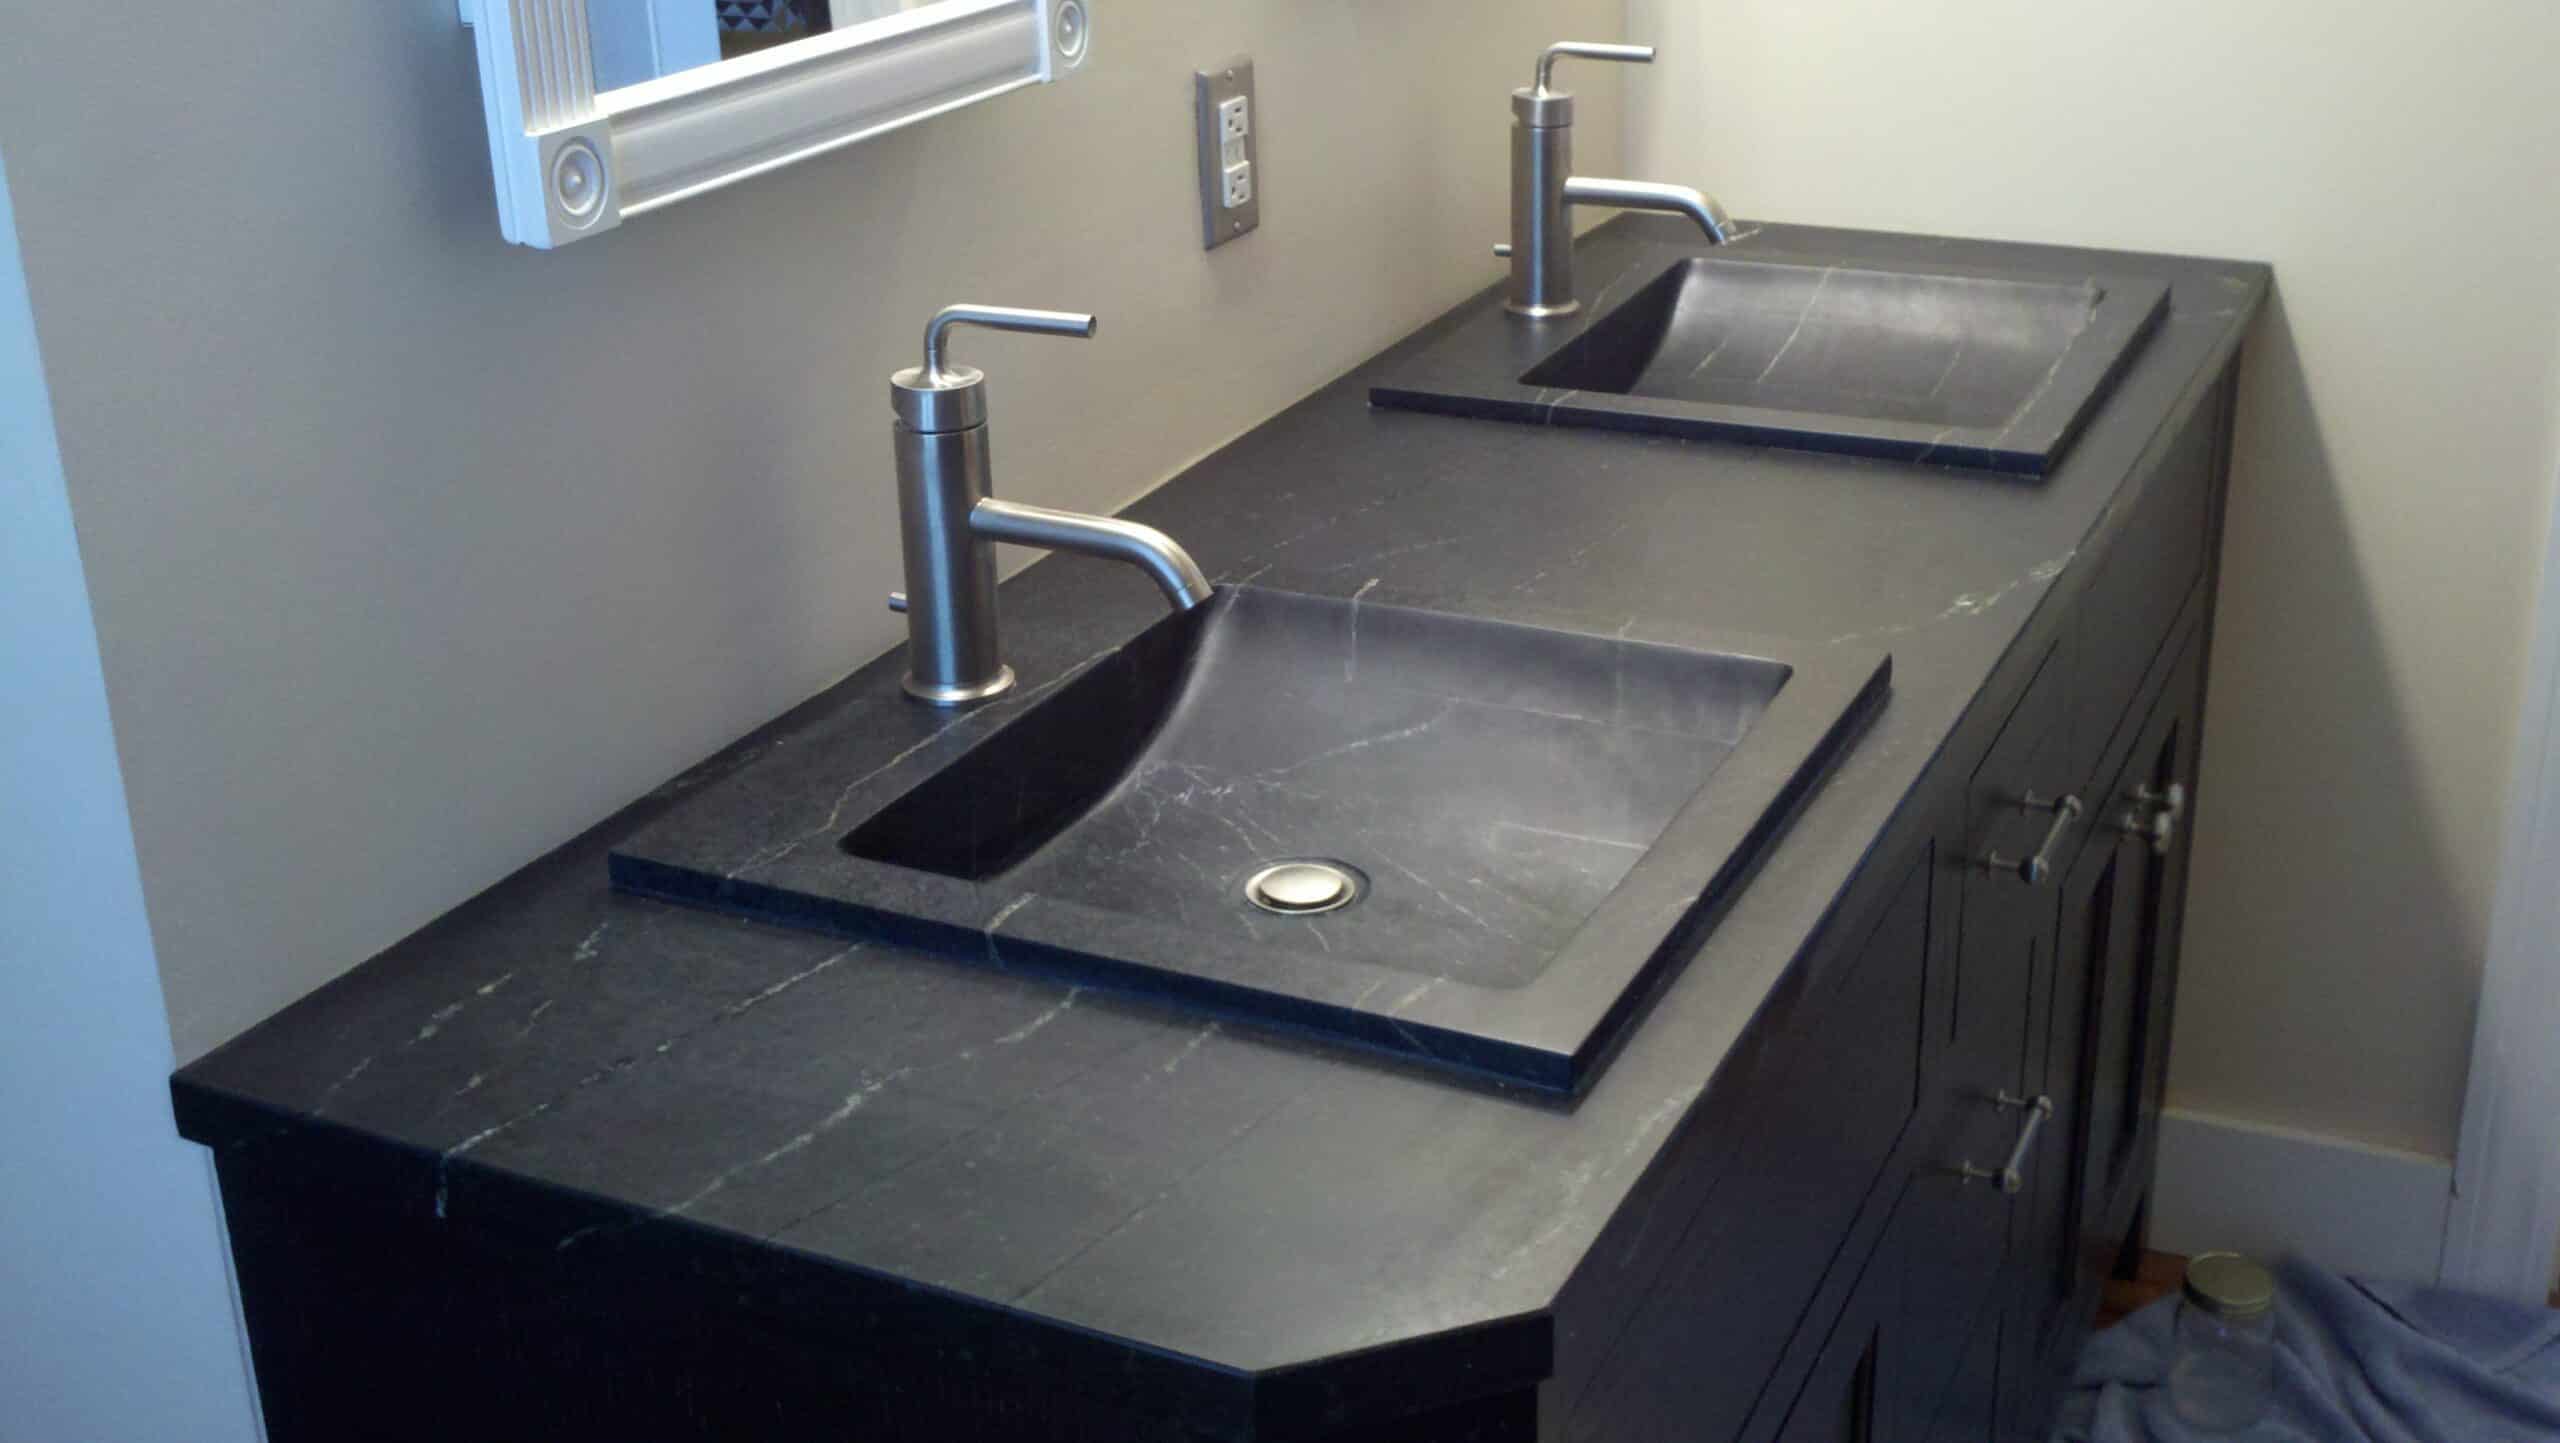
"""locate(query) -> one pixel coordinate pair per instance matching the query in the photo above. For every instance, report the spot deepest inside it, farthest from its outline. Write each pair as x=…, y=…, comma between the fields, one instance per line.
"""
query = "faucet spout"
x=1696, y=204
x=1151, y=551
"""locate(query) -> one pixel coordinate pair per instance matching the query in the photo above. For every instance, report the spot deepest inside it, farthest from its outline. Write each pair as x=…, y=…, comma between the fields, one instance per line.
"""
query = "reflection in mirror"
x=638, y=40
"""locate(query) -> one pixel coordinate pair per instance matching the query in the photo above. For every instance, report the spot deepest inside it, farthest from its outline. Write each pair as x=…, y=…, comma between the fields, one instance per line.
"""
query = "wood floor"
x=2157, y=1277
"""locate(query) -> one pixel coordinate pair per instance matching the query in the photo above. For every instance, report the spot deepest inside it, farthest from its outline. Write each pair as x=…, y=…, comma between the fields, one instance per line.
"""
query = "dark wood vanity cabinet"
x=2062, y=875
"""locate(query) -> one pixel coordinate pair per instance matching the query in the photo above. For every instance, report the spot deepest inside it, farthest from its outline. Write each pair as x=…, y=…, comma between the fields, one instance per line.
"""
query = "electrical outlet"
x=1230, y=155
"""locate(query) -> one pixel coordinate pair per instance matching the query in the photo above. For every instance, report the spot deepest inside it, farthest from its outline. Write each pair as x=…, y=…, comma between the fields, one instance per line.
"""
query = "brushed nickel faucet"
x=948, y=522
x=1543, y=186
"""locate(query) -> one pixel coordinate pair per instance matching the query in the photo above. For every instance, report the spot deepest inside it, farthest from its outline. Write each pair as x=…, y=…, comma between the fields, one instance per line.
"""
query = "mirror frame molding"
x=570, y=163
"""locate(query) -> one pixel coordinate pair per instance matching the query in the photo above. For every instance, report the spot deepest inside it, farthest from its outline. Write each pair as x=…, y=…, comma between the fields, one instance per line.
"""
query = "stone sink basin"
x=1507, y=832
x=1959, y=368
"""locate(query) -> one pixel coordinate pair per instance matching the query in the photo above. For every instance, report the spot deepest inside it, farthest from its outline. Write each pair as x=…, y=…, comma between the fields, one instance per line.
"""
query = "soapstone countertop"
x=1233, y=1219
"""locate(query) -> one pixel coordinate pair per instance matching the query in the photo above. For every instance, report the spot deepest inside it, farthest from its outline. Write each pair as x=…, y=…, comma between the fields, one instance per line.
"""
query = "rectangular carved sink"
x=1978, y=370
x=1522, y=826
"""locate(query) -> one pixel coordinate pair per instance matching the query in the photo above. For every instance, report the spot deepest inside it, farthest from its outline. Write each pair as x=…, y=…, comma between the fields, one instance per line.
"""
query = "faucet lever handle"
x=996, y=318
x=1587, y=50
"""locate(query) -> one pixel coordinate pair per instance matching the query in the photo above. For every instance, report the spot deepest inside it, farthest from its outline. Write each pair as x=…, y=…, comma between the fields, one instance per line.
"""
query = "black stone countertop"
x=1208, y=1218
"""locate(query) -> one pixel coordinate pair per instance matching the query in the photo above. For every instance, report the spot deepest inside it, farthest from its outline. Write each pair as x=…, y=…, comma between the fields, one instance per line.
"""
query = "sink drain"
x=1302, y=887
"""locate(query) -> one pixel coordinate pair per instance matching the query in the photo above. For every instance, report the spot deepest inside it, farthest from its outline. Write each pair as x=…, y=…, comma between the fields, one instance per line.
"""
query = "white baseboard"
x=2274, y=1192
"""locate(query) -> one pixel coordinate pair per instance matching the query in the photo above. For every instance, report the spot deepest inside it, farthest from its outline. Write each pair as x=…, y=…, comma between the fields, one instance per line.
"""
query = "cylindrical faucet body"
x=952, y=653
x=1542, y=245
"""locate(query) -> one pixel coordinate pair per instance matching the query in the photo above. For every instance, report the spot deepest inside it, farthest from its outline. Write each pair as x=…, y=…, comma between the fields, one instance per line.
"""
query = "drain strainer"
x=1299, y=888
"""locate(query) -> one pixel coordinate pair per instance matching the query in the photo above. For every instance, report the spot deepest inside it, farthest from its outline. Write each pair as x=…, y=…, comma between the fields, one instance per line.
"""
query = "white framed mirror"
x=603, y=110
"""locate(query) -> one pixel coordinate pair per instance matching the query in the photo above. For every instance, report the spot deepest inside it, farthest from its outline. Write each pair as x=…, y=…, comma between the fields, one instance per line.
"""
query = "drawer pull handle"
x=2011, y=1176
x=2036, y=870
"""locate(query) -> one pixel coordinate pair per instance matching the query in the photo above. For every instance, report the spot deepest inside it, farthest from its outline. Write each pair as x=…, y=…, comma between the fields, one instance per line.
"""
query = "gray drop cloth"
x=2354, y=1361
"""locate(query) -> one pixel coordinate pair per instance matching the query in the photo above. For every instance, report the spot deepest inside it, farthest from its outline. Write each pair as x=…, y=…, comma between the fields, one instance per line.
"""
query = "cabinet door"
x=2152, y=806
x=1968, y=1412
x=2062, y=1270
x=2100, y=1042
x=1841, y=1400
x=1882, y=1375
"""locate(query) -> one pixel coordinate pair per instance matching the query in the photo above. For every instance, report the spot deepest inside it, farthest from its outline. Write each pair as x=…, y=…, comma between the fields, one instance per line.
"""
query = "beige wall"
x=414, y=553
x=2395, y=464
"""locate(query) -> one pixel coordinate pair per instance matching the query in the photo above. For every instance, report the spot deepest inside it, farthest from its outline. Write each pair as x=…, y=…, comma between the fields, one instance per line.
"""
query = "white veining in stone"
x=786, y=984
x=1820, y=284
x=1351, y=650
x=436, y=1021
x=1712, y=352
x=1971, y=603
x=624, y=1064
x=996, y=922
x=2043, y=384
x=1174, y=1063
x=1026, y=1030
x=1563, y=1211
x=844, y=796
x=1954, y=357
x=1361, y=744
x=844, y=1111
x=1560, y=1210
x=1570, y=836
x=1452, y=903
x=351, y=1074
x=1370, y=558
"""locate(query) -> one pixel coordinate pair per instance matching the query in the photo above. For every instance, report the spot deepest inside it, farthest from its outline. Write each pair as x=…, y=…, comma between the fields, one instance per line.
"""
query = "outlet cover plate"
x=1211, y=88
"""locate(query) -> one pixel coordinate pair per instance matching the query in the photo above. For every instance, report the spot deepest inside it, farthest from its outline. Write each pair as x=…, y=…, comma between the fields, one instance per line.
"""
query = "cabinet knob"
x=2169, y=806
x=2171, y=798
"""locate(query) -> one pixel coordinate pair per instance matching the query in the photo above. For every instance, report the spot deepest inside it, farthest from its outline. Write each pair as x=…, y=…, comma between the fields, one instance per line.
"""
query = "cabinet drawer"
x=2134, y=598
x=2029, y=763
